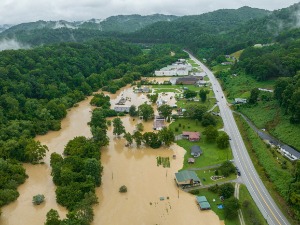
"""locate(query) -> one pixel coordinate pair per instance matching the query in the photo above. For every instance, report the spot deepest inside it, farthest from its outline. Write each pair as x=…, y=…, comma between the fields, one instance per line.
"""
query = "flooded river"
x=134, y=167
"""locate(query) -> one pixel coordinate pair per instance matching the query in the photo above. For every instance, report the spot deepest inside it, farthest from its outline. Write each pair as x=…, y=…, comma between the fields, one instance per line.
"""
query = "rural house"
x=196, y=151
x=191, y=136
x=187, y=178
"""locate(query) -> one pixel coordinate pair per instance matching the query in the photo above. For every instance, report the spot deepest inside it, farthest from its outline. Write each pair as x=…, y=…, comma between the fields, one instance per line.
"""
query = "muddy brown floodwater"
x=131, y=166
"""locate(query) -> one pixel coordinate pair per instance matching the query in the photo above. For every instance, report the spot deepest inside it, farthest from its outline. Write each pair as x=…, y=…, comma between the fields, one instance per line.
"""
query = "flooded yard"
x=131, y=166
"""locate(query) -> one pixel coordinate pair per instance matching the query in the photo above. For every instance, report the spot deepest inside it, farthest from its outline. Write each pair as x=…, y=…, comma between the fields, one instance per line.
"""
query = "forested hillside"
x=40, y=84
x=46, y=32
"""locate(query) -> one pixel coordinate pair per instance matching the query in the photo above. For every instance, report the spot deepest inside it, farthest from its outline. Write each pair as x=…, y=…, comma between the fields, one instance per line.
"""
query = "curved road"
x=249, y=175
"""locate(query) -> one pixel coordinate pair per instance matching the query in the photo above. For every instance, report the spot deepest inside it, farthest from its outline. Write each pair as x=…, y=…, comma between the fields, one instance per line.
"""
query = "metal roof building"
x=203, y=203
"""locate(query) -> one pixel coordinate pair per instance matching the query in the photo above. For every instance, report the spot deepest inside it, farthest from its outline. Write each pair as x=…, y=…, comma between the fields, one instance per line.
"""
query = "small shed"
x=203, y=203
x=191, y=160
x=196, y=151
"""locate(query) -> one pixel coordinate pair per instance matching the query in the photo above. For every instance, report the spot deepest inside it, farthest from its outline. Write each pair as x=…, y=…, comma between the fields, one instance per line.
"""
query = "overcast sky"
x=18, y=11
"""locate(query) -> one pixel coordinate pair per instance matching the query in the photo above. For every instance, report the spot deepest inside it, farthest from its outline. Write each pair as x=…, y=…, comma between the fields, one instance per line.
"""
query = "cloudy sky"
x=18, y=11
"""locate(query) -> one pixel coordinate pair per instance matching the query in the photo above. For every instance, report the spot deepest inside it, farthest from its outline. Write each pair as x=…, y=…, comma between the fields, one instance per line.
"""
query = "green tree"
x=211, y=133
x=146, y=111
x=35, y=151
x=138, y=137
x=132, y=111
x=52, y=218
x=140, y=127
x=203, y=94
x=231, y=207
x=195, y=111
x=223, y=140
x=227, y=168
x=151, y=139
x=165, y=110
x=153, y=98
x=93, y=168
x=226, y=190
x=254, y=96
x=118, y=126
x=166, y=136
x=38, y=199
x=129, y=138
x=208, y=119
x=189, y=94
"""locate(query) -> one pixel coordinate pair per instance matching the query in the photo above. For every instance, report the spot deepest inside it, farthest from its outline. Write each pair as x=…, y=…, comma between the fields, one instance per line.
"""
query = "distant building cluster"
x=180, y=68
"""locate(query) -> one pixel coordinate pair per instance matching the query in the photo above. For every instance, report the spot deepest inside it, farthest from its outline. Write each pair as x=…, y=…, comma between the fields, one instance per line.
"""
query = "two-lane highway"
x=249, y=175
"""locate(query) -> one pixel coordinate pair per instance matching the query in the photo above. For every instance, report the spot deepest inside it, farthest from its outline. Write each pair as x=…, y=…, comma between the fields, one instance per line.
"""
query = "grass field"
x=241, y=85
x=237, y=54
x=269, y=115
x=211, y=154
x=249, y=209
x=207, y=174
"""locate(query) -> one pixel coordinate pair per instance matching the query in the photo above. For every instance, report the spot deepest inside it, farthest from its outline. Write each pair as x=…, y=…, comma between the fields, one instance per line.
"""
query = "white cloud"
x=18, y=11
x=12, y=44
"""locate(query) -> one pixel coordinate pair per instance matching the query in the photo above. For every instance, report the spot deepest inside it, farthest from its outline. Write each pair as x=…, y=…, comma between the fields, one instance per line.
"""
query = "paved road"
x=248, y=173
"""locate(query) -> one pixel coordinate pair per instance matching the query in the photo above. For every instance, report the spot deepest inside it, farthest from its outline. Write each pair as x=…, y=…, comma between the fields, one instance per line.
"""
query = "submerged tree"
x=118, y=126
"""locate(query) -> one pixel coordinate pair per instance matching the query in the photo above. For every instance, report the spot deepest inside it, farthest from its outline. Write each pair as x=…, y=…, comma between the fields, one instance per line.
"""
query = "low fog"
x=12, y=44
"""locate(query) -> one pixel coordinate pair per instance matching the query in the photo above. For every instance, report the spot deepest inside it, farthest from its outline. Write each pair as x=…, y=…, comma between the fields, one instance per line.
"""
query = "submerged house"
x=122, y=108
x=158, y=123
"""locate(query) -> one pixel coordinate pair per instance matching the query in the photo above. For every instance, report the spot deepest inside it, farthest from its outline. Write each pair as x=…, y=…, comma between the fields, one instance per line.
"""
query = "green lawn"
x=251, y=213
x=220, y=67
x=241, y=85
x=207, y=174
x=214, y=206
x=237, y=54
x=211, y=154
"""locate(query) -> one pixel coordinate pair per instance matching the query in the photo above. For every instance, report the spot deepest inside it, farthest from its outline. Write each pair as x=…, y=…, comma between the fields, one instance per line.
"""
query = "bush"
x=194, y=192
x=214, y=188
x=123, y=189
x=38, y=199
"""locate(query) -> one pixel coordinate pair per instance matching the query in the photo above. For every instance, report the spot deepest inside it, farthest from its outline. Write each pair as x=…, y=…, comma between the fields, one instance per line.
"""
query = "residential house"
x=158, y=123
x=196, y=151
x=240, y=101
x=187, y=178
x=191, y=136
x=289, y=152
x=122, y=108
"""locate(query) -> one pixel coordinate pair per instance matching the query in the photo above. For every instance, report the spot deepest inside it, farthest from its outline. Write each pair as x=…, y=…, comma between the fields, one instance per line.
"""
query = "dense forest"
x=40, y=84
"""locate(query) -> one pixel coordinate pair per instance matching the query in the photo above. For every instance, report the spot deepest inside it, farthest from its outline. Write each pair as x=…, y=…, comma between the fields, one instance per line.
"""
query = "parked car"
x=238, y=171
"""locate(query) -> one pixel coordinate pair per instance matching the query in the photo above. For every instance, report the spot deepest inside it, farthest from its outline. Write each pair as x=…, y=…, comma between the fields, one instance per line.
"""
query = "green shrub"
x=38, y=199
x=123, y=189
